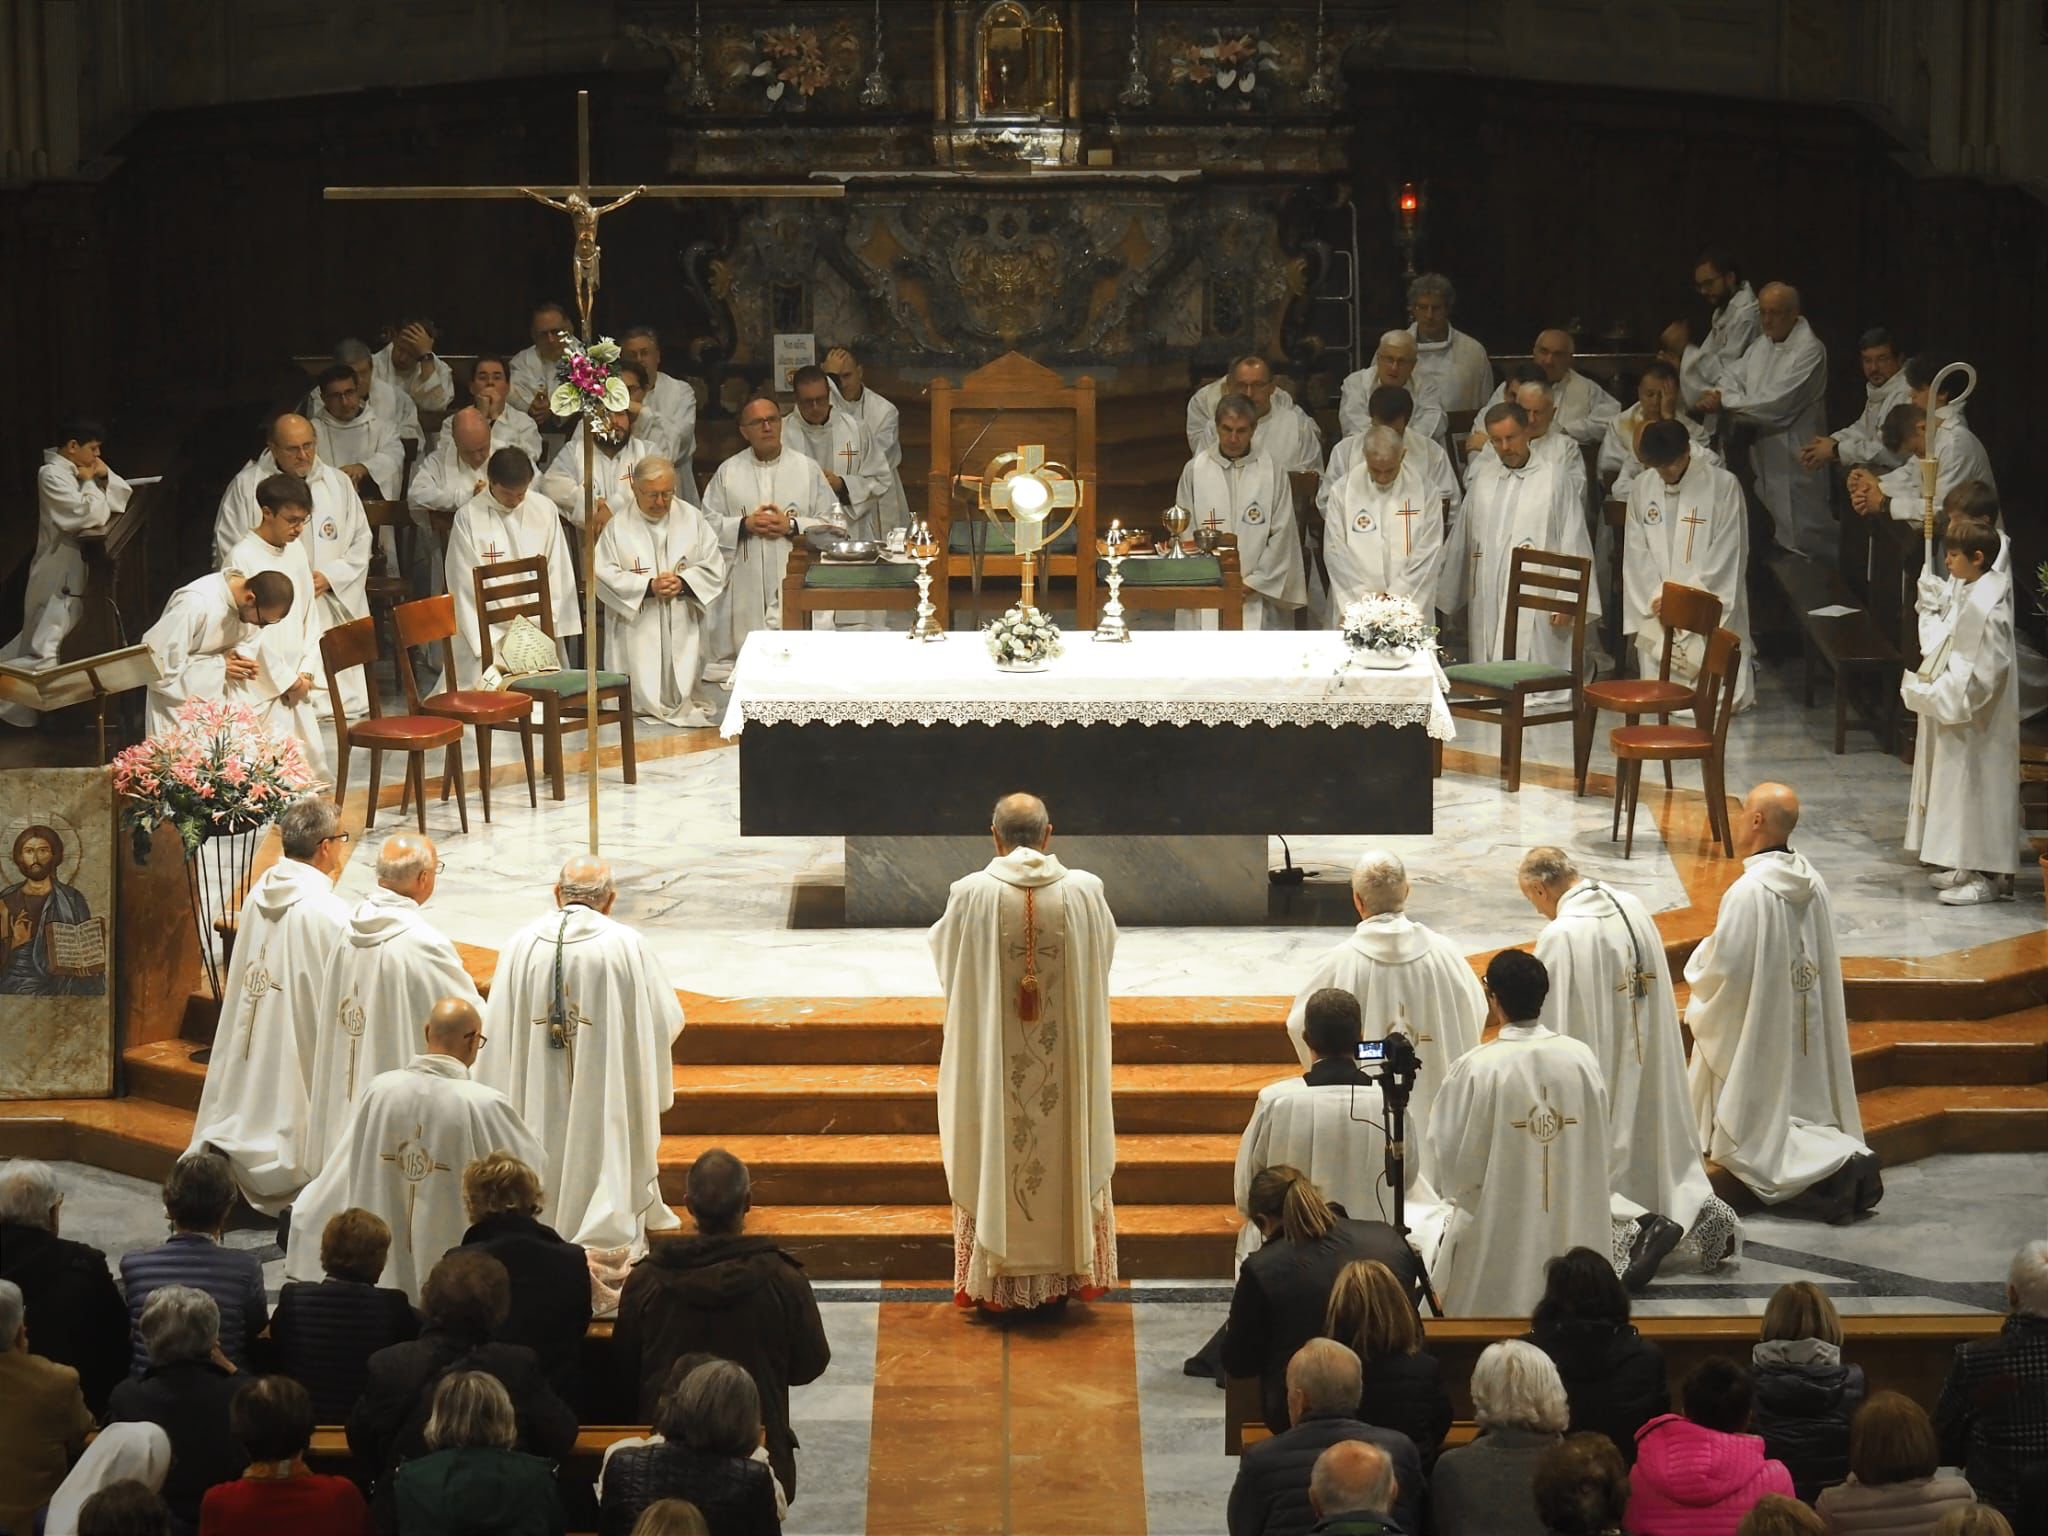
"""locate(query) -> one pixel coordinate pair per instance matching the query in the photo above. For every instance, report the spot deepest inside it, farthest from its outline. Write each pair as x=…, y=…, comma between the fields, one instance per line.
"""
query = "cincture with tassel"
x=1027, y=989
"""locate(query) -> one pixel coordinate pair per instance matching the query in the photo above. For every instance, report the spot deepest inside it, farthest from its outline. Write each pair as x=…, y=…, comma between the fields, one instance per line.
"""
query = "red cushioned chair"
x=1705, y=742
x=430, y=621
x=1682, y=609
x=354, y=644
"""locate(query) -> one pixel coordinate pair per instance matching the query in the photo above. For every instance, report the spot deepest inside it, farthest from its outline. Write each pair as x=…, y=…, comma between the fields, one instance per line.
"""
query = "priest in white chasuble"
x=832, y=437
x=1025, y=1127
x=402, y=1152
x=1779, y=387
x=1519, y=502
x=1656, y=400
x=1583, y=407
x=533, y=367
x=1285, y=433
x=1392, y=408
x=1383, y=529
x=659, y=571
x=489, y=383
x=339, y=550
x=611, y=471
x=253, y=1108
x=1201, y=413
x=1547, y=441
x=1688, y=523
x=1884, y=386
x=882, y=422
x=196, y=640
x=581, y=1022
x=668, y=411
x=1773, y=1090
x=407, y=363
x=456, y=471
x=1959, y=451
x=1735, y=324
x=355, y=439
x=1519, y=1144
x=510, y=521
x=390, y=968
x=1393, y=367
x=759, y=500
x=1234, y=487
x=1406, y=977
x=1455, y=364
x=1610, y=986
x=289, y=691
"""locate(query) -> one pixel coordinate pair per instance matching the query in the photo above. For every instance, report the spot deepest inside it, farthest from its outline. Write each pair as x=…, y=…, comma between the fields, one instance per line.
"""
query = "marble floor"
x=739, y=917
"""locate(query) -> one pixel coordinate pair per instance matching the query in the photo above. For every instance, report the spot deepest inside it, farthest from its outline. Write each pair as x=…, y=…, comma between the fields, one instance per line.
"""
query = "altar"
x=1167, y=762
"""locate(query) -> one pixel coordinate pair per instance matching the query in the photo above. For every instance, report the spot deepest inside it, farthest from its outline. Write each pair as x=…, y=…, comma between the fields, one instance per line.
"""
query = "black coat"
x=188, y=1400
x=1282, y=1293
x=75, y=1312
x=1404, y=1392
x=550, y=1293
x=1270, y=1496
x=738, y=1297
x=1614, y=1378
x=736, y=1495
x=1803, y=1413
x=324, y=1332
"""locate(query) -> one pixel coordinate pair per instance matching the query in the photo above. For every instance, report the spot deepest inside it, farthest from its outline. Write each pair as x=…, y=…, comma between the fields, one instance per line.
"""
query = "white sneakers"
x=1944, y=879
x=1972, y=889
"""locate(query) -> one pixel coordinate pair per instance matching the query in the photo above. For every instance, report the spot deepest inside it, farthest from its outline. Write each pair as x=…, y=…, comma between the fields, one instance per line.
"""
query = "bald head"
x=1352, y=1477
x=1777, y=310
x=1544, y=876
x=1552, y=353
x=407, y=865
x=292, y=446
x=1020, y=821
x=455, y=1029
x=471, y=434
x=1535, y=399
x=1770, y=813
x=586, y=881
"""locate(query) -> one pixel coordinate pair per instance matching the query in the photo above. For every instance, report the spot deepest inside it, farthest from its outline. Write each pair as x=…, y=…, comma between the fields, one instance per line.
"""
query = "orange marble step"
x=1252, y=1030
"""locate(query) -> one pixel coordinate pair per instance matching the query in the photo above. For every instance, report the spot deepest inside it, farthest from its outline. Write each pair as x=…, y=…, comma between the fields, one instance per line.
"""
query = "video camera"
x=1392, y=1064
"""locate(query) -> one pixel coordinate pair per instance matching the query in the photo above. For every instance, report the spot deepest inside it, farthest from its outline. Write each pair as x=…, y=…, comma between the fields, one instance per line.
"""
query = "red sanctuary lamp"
x=1408, y=206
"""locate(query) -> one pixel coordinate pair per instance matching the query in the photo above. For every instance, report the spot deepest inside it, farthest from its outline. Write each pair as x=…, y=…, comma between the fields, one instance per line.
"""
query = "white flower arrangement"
x=1023, y=637
x=1385, y=623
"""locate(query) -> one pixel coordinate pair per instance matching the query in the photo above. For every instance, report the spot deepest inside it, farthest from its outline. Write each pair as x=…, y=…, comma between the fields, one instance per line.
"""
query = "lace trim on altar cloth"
x=973, y=1285
x=1240, y=712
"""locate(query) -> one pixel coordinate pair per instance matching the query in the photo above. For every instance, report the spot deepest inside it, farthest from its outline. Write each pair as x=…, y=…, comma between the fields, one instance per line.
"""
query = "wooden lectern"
x=1011, y=402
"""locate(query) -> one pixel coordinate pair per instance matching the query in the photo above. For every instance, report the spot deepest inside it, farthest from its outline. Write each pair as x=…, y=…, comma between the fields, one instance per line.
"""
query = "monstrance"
x=1028, y=488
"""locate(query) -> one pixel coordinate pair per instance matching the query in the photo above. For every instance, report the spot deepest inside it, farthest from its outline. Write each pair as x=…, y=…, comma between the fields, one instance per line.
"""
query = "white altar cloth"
x=1177, y=677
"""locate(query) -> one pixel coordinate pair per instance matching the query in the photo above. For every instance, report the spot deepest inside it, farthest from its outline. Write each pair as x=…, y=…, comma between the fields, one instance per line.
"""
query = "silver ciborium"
x=1113, y=546
x=924, y=549
x=1176, y=518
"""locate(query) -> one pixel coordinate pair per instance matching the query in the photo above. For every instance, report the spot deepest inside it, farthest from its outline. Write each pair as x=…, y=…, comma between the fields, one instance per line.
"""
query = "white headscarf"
x=119, y=1453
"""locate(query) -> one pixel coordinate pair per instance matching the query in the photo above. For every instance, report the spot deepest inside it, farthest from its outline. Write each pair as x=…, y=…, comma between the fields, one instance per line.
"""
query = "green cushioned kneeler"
x=996, y=539
x=1165, y=571
x=862, y=577
x=1506, y=674
x=565, y=682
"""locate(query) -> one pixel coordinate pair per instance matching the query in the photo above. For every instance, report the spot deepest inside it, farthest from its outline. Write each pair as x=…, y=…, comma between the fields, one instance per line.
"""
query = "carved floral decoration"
x=1224, y=73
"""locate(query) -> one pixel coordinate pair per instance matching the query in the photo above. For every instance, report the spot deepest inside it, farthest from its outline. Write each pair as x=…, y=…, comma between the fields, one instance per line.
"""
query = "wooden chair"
x=513, y=587
x=1685, y=609
x=1539, y=582
x=354, y=644
x=1704, y=742
x=1202, y=583
x=430, y=622
x=815, y=585
x=385, y=585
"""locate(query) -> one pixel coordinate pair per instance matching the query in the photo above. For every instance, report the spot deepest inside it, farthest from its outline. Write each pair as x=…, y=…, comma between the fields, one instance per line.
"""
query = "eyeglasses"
x=481, y=1039
x=336, y=837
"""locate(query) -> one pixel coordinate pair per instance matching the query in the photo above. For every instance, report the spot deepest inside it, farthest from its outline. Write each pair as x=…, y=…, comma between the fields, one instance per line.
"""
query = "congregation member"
x=550, y=1277
x=272, y=1421
x=393, y=405
x=725, y=1291
x=668, y=413
x=1351, y=1491
x=323, y=1332
x=290, y=685
x=1394, y=409
x=490, y=385
x=533, y=366
x=81, y=1319
x=361, y=445
x=471, y=1476
x=1687, y=523
x=759, y=500
x=1657, y=399
x=407, y=362
x=1772, y=1086
x=1406, y=976
x=1581, y=1487
x=1896, y=1485
x=1702, y=1470
x=660, y=573
x=1232, y=486
x=1992, y=1416
x=1610, y=986
x=1525, y=502
x=1583, y=407
x=1285, y=433
x=509, y=521
x=1614, y=1378
x=1806, y=1394
x=709, y=1428
x=188, y=1392
x=389, y=970
x=832, y=437
x=1383, y=530
x=1963, y=814
x=76, y=493
x=253, y=1107
x=1487, y=1486
x=1778, y=388
x=664, y=1417
x=1885, y=387
x=1393, y=367
x=1735, y=324
x=582, y=1021
x=1372, y=1312
x=882, y=422
x=134, y=1458
x=1270, y=1494
x=1023, y=952
x=1518, y=1146
x=198, y=1195
x=196, y=641
x=1454, y=364
x=44, y=1421
x=401, y=1152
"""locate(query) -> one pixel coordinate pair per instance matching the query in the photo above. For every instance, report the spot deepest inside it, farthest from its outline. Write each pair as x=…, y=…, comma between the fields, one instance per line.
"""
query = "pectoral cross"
x=1407, y=514
x=415, y=1165
x=1805, y=976
x=1692, y=520
x=256, y=983
x=1545, y=1124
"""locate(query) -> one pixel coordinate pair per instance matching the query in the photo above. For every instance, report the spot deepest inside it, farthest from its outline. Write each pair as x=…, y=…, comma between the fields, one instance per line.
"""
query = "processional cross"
x=584, y=214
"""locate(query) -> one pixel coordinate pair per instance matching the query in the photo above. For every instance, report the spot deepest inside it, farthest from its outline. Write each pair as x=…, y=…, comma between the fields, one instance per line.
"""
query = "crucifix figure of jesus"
x=583, y=263
x=1692, y=520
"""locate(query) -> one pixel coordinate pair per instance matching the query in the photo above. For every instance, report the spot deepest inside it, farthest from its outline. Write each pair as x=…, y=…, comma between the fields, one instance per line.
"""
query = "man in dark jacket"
x=1993, y=1413
x=723, y=1293
x=1351, y=1491
x=81, y=1320
x=1271, y=1495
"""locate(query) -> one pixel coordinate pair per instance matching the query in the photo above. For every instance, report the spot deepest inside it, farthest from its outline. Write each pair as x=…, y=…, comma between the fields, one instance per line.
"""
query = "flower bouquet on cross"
x=1023, y=640
x=586, y=385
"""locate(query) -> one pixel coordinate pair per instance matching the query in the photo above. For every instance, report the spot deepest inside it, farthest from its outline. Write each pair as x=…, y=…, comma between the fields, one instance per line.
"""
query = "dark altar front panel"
x=1130, y=780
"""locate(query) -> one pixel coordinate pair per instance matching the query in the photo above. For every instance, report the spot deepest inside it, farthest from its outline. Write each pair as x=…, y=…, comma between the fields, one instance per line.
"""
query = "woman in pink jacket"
x=1698, y=1474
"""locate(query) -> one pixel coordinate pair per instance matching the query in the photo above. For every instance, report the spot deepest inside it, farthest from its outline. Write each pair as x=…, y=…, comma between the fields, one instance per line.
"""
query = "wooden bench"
x=1851, y=645
x=329, y=1450
x=1907, y=1353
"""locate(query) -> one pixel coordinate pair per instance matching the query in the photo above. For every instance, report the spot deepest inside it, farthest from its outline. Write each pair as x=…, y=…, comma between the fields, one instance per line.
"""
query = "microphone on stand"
x=977, y=539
